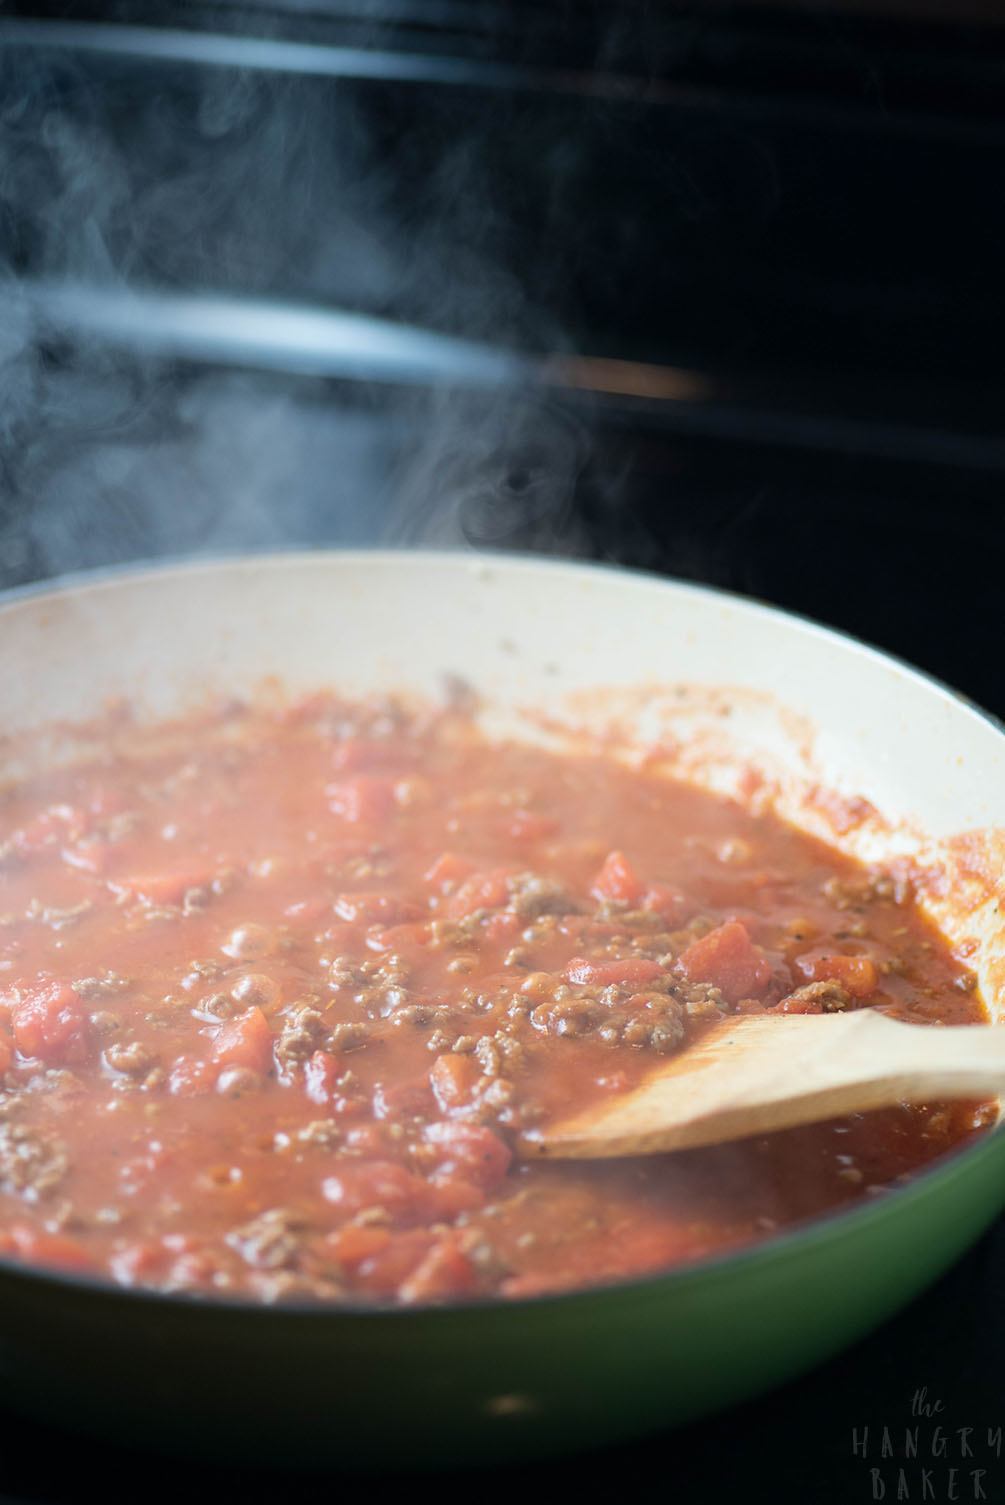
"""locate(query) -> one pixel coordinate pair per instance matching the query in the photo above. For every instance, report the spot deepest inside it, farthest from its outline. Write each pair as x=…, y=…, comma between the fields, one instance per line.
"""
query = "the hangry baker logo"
x=927, y=1457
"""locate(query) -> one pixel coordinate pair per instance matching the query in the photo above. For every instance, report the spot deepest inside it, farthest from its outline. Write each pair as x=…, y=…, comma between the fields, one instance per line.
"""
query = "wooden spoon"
x=761, y=1072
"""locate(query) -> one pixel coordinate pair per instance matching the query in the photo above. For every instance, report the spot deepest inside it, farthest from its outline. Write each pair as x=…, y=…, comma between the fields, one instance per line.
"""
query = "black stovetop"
x=934, y=1371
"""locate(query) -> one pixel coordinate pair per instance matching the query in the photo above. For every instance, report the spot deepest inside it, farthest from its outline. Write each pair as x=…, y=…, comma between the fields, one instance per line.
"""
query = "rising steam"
x=132, y=185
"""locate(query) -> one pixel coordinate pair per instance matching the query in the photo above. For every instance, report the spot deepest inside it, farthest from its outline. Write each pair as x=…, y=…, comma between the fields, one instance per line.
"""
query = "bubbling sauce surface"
x=278, y=988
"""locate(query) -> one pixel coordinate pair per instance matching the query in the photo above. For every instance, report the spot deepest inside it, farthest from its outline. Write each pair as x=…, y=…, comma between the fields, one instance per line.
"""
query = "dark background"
x=787, y=224
x=722, y=292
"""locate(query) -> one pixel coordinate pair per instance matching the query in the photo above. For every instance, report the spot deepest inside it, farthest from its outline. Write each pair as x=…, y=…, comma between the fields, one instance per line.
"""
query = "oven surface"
x=709, y=289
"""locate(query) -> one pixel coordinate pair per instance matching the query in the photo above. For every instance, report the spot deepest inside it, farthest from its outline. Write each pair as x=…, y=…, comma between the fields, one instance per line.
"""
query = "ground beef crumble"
x=32, y=1163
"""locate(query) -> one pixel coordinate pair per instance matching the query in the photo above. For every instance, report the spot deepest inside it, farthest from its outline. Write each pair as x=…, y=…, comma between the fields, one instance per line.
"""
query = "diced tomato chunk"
x=320, y=1073
x=371, y=1139
x=352, y=1244
x=193, y=1272
x=472, y=1150
x=448, y=869
x=480, y=891
x=364, y=798
x=376, y=1183
x=797, y=1005
x=384, y=1271
x=375, y=909
x=667, y=901
x=528, y=825
x=858, y=975
x=161, y=888
x=728, y=959
x=51, y=1025
x=398, y=936
x=50, y=1249
x=245, y=1041
x=402, y=1099
x=449, y=1195
x=136, y=1262
x=445, y=1271
x=617, y=879
x=501, y=926
x=582, y=930
x=181, y=1243
x=193, y=1076
x=604, y=974
x=452, y=1079
x=349, y=1107
x=311, y=910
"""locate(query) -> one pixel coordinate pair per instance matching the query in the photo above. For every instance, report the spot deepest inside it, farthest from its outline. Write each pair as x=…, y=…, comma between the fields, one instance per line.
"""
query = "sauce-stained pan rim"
x=820, y=1230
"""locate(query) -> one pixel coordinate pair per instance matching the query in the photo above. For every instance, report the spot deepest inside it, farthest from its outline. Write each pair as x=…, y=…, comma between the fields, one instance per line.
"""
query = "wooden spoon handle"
x=930, y=1060
x=868, y=1046
x=761, y=1073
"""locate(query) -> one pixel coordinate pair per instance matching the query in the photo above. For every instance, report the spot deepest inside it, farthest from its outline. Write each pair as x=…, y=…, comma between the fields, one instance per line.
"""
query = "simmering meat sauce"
x=279, y=988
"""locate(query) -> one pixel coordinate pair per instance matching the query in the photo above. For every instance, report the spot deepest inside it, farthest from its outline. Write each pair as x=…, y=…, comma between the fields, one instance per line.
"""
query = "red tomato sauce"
x=279, y=990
